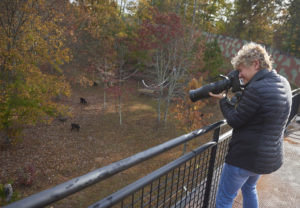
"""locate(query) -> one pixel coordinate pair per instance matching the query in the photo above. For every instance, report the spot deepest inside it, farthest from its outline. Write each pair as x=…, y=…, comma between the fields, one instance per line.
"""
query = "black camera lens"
x=216, y=87
x=232, y=80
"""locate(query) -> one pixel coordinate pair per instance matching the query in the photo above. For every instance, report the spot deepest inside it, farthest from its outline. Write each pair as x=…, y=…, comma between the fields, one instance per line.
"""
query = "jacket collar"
x=259, y=75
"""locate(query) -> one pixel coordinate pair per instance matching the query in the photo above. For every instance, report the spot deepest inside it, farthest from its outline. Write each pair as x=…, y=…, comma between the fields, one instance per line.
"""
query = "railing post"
x=295, y=105
x=210, y=173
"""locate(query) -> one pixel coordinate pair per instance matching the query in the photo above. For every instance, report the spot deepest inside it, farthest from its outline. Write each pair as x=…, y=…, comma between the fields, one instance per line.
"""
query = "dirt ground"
x=53, y=153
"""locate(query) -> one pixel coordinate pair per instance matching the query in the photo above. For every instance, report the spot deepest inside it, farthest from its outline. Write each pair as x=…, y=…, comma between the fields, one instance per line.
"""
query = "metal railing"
x=189, y=181
x=295, y=105
x=74, y=185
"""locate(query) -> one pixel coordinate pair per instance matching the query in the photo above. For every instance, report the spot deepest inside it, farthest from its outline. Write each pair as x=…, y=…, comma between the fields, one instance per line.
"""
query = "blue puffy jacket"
x=258, y=123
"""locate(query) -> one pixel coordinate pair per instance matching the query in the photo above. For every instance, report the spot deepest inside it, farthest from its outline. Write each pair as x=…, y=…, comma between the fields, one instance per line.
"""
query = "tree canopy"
x=47, y=45
x=31, y=51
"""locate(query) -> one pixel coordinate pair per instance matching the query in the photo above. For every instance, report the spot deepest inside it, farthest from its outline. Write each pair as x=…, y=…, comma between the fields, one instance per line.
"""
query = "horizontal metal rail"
x=295, y=105
x=130, y=189
x=74, y=185
x=117, y=196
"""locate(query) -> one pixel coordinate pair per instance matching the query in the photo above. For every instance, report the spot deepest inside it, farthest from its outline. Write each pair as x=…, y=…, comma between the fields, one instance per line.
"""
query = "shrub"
x=26, y=175
x=213, y=58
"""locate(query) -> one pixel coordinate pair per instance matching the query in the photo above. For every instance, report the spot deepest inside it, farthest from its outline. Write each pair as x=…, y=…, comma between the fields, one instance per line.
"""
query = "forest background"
x=50, y=48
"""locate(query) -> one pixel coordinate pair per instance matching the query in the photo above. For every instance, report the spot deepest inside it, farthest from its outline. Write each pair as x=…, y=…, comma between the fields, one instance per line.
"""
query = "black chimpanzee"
x=83, y=101
x=62, y=119
x=75, y=126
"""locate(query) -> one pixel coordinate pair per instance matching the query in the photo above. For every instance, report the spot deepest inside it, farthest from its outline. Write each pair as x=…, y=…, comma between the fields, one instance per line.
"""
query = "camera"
x=231, y=81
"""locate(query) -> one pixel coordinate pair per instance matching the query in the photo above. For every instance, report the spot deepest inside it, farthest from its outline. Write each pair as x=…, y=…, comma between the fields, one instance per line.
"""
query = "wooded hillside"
x=47, y=46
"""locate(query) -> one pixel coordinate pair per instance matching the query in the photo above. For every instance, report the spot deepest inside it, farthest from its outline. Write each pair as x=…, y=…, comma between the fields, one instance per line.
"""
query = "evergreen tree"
x=253, y=20
x=288, y=29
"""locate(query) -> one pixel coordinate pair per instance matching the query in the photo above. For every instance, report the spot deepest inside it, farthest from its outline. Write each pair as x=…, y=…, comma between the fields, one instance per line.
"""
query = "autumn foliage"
x=31, y=51
x=48, y=45
x=159, y=30
x=189, y=115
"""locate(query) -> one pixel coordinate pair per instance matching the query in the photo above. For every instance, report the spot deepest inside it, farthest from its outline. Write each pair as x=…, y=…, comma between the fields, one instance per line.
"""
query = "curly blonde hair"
x=251, y=52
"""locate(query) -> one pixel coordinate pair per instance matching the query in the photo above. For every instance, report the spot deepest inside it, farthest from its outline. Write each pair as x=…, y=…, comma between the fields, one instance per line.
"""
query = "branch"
x=130, y=75
x=156, y=86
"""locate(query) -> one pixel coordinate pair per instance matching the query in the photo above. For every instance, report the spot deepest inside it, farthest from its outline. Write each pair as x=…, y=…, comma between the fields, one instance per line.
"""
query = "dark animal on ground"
x=83, y=101
x=75, y=126
x=95, y=84
x=62, y=119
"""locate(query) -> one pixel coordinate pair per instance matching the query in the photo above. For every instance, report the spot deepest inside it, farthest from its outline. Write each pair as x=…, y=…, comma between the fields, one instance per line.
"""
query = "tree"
x=92, y=27
x=213, y=58
x=202, y=14
x=31, y=51
x=253, y=20
x=126, y=57
x=101, y=31
x=288, y=29
x=173, y=54
x=189, y=115
x=158, y=35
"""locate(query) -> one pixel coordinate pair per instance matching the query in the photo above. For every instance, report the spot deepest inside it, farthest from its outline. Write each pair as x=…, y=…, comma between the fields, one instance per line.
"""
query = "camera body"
x=230, y=81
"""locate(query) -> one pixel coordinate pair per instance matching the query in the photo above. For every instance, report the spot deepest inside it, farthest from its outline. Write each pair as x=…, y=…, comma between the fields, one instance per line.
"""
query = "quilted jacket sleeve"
x=246, y=109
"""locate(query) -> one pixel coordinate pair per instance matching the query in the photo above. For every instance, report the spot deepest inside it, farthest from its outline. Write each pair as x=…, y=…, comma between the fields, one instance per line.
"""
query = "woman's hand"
x=218, y=96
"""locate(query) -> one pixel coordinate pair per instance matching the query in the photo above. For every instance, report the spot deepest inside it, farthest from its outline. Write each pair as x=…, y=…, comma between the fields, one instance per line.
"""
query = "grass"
x=59, y=154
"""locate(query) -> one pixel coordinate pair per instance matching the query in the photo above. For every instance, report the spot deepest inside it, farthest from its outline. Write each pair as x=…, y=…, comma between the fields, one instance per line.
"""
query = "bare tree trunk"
x=120, y=110
x=194, y=13
x=193, y=21
x=122, y=7
x=163, y=61
x=119, y=90
x=104, y=97
x=176, y=73
x=166, y=109
x=185, y=7
x=158, y=108
x=172, y=85
x=104, y=85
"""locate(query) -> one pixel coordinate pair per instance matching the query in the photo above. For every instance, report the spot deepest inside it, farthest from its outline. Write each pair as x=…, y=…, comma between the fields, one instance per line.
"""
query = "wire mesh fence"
x=295, y=105
x=189, y=181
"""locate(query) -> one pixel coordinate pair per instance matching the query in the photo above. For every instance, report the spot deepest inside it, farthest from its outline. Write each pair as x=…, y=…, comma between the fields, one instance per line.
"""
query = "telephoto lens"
x=231, y=80
x=215, y=87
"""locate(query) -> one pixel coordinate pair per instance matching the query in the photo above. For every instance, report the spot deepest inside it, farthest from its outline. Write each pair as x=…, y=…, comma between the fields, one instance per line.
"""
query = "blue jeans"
x=232, y=179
